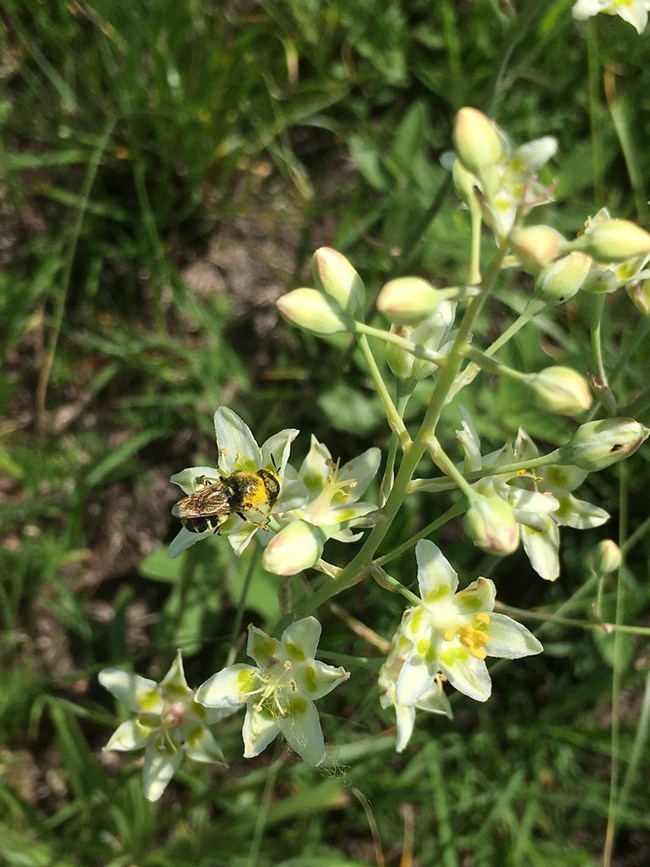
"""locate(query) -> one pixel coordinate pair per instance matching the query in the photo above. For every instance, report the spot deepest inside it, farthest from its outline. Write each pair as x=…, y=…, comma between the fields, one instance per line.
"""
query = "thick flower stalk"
x=279, y=692
x=452, y=632
x=169, y=724
x=238, y=451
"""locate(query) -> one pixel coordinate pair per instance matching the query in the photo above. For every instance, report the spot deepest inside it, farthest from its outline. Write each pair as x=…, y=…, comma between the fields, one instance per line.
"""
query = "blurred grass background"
x=166, y=171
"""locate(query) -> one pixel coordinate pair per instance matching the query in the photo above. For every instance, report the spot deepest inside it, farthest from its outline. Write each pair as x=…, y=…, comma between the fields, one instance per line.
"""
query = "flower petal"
x=405, y=719
x=187, y=478
x=579, y=514
x=174, y=685
x=237, y=447
x=261, y=647
x=542, y=549
x=130, y=735
x=258, y=731
x=509, y=639
x=465, y=672
x=139, y=694
x=229, y=687
x=202, y=746
x=316, y=679
x=361, y=470
x=436, y=577
x=477, y=596
x=275, y=450
x=300, y=640
x=414, y=679
x=159, y=767
x=302, y=730
x=183, y=540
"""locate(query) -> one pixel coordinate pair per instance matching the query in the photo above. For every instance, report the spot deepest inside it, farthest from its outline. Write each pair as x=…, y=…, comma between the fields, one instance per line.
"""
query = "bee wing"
x=213, y=500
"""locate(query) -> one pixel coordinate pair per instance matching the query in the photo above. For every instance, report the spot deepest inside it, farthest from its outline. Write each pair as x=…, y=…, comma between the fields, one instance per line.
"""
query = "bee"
x=241, y=492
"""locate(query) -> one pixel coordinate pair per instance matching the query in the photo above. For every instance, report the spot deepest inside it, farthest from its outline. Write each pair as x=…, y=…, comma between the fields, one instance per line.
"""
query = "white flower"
x=451, y=633
x=541, y=501
x=635, y=12
x=331, y=508
x=169, y=724
x=279, y=693
x=237, y=450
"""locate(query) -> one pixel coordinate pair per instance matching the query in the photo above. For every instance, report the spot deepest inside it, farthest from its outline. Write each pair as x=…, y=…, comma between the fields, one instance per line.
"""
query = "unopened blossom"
x=279, y=691
x=237, y=450
x=169, y=724
x=452, y=632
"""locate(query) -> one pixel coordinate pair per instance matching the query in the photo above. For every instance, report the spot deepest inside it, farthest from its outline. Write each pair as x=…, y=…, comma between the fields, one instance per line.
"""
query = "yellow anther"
x=449, y=634
x=483, y=617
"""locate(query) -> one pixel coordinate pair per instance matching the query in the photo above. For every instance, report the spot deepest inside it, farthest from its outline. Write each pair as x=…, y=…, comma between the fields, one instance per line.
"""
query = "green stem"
x=407, y=345
x=395, y=420
x=358, y=567
x=602, y=386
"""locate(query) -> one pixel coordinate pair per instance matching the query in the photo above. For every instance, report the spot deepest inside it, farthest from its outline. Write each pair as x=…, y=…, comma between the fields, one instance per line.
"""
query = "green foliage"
x=138, y=140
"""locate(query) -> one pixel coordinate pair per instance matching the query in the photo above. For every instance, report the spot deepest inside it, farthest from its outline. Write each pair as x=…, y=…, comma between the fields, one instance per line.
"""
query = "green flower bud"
x=335, y=276
x=560, y=280
x=399, y=360
x=536, y=246
x=614, y=241
x=408, y=300
x=491, y=525
x=477, y=141
x=561, y=390
x=296, y=547
x=598, y=444
x=639, y=294
x=607, y=557
x=313, y=311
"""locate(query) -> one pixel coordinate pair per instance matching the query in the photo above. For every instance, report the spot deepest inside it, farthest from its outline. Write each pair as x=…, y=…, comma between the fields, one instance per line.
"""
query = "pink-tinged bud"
x=314, y=311
x=477, y=140
x=561, y=390
x=296, y=547
x=335, y=276
x=598, y=444
x=614, y=241
x=607, y=557
x=639, y=294
x=536, y=246
x=560, y=280
x=491, y=525
x=408, y=300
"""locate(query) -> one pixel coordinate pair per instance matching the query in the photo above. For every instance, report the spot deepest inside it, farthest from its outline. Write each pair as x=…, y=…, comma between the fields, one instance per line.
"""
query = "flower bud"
x=614, y=241
x=607, y=557
x=598, y=444
x=313, y=311
x=335, y=276
x=639, y=294
x=536, y=246
x=296, y=547
x=491, y=525
x=407, y=300
x=477, y=141
x=399, y=360
x=561, y=390
x=560, y=280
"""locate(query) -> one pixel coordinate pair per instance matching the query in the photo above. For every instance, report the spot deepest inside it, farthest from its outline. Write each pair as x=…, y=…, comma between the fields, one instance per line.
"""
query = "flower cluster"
x=526, y=506
x=173, y=720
